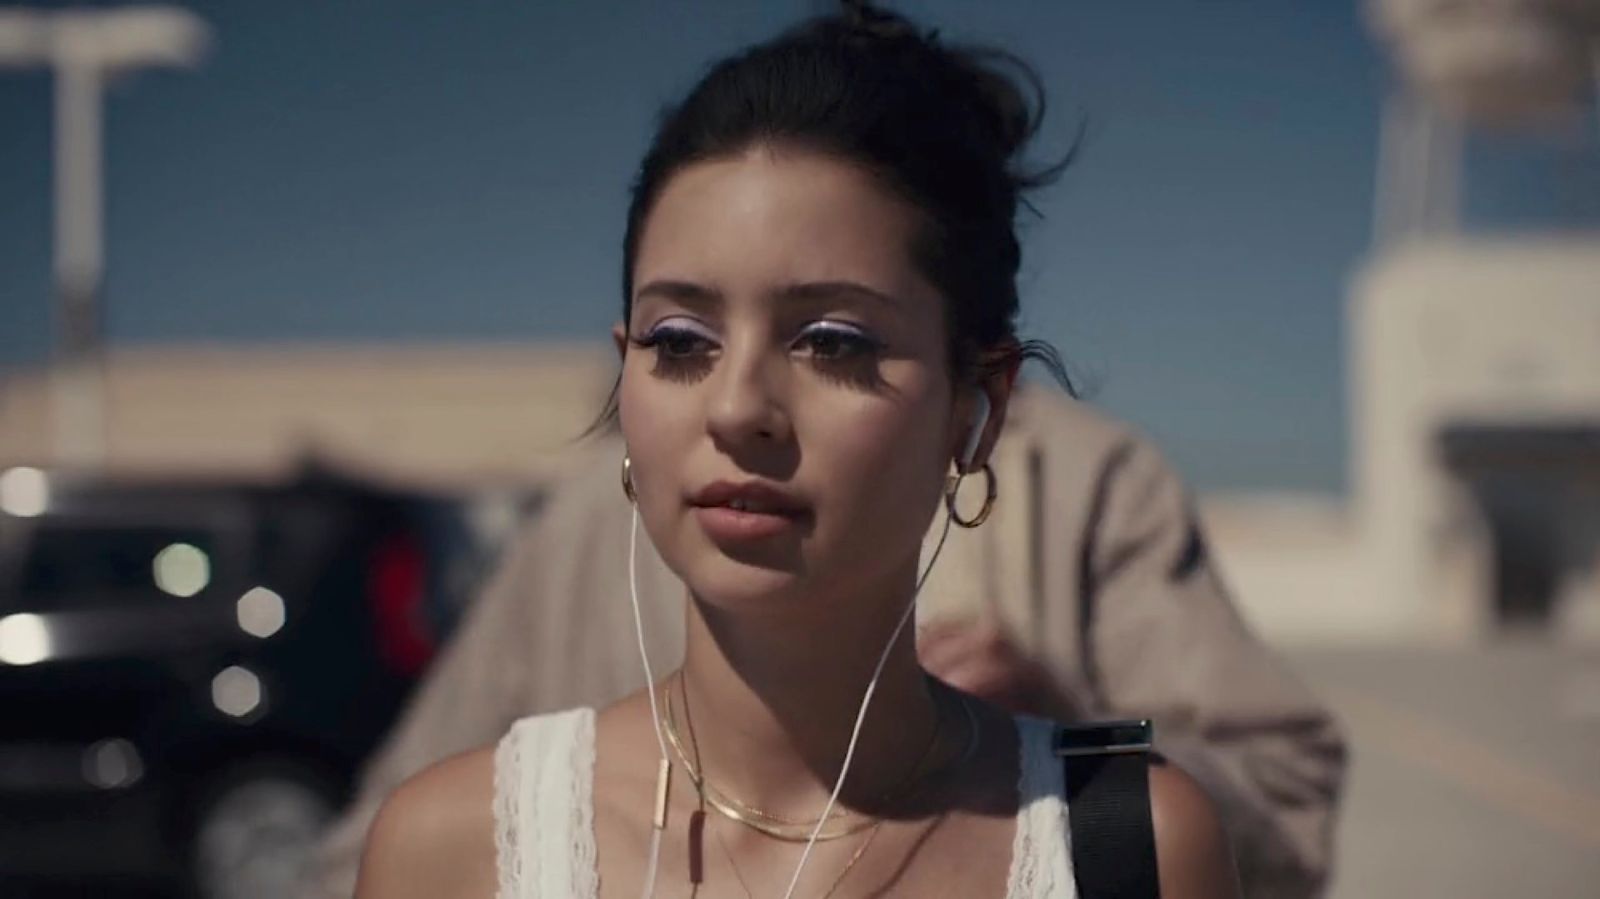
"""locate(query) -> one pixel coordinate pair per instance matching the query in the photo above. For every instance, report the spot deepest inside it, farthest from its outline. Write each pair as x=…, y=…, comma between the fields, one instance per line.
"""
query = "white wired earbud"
x=975, y=436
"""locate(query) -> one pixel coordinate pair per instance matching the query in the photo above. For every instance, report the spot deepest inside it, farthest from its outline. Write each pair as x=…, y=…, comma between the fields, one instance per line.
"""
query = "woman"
x=817, y=332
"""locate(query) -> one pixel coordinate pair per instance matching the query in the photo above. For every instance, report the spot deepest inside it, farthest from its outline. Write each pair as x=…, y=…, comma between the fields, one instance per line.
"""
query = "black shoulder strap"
x=1107, y=766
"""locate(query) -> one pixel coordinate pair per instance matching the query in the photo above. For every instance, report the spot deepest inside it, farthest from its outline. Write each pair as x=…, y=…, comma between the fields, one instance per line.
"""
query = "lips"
x=739, y=513
x=750, y=496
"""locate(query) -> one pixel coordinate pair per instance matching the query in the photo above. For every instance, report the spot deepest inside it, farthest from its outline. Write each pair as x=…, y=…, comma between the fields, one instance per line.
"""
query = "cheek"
x=882, y=466
x=633, y=408
x=873, y=446
x=657, y=428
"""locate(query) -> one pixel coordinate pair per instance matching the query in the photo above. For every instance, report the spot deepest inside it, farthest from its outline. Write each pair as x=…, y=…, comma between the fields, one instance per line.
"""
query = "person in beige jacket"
x=1089, y=594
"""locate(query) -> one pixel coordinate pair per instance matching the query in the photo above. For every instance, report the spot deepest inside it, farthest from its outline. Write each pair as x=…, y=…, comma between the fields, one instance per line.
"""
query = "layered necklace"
x=841, y=823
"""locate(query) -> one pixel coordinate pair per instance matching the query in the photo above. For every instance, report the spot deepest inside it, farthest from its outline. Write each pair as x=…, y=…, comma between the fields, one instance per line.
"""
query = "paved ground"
x=1475, y=773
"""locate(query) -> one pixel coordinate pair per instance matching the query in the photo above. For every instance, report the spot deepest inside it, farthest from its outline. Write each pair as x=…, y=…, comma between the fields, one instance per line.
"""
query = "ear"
x=619, y=336
x=997, y=386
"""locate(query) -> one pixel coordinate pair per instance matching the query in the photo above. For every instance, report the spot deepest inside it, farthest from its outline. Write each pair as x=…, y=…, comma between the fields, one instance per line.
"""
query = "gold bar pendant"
x=663, y=778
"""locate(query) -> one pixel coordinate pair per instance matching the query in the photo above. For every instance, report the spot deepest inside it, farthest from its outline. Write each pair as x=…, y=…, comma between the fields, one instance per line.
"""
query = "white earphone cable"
x=861, y=713
x=650, y=688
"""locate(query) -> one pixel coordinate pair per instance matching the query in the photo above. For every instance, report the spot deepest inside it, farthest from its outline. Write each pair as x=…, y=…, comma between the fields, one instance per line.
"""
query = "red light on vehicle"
x=396, y=587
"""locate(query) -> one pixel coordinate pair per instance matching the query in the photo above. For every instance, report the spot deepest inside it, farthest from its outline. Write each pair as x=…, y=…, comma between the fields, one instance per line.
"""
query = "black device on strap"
x=1107, y=768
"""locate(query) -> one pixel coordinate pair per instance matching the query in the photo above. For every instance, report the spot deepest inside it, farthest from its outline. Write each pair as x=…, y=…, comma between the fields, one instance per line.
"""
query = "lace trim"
x=585, y=867
x=545, y=847
x=557, y=753
x=1041, y=854
x=508, y=768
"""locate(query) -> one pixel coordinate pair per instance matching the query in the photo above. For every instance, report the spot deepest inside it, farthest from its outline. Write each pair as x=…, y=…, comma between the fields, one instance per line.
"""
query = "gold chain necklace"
x=837, y=880
x=777, y=828
x=791, y=830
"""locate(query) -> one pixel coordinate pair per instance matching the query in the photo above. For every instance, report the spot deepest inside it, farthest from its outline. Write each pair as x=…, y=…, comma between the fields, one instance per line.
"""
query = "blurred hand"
x=979, y=658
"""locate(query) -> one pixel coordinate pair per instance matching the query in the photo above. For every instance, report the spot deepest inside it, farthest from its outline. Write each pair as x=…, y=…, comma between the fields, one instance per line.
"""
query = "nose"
x=747, y=405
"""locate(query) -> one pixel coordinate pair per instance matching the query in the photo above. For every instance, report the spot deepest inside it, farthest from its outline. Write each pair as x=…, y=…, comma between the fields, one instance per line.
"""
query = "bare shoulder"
x=434, y=836
x=1193, y=858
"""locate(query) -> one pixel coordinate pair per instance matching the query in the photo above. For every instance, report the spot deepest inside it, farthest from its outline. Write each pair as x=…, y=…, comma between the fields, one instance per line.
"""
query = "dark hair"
x=941, y=125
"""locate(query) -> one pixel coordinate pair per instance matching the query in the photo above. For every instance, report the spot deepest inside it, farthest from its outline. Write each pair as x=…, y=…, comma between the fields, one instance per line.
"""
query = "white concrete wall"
x=1464, y=332
x=479, y=414
x=1298, y=568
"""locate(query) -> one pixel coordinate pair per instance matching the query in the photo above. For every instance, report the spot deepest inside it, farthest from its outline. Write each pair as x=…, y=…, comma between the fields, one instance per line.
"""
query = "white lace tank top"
x=544, y=812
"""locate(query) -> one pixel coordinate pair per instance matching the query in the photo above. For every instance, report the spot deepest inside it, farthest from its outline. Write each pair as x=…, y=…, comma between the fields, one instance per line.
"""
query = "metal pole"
x=85, y=48
x=1442, y=170
x=1419, y=179
x=80, y=427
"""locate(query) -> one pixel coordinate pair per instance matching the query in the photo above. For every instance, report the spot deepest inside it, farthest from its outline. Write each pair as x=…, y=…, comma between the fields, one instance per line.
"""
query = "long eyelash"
x=654, y=337
x=681, y=371
x=866, y=344
x=859, y=370
x=671, y=368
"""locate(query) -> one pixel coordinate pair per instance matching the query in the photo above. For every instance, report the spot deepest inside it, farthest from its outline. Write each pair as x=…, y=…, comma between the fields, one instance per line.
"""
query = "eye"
x=677, y=338
x=683, y=348
x=837, y=342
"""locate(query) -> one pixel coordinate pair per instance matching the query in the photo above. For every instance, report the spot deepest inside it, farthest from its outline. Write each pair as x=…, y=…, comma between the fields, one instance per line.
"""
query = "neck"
x=768, y=703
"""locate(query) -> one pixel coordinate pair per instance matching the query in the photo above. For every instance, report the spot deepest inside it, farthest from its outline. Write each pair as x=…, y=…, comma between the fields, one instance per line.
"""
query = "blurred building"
x=445, y=415
x=1476, y=376
x=1474, y=384
x=1473, y=367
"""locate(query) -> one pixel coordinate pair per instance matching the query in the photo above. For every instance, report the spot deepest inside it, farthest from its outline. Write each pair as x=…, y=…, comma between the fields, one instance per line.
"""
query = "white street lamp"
x=86, y=48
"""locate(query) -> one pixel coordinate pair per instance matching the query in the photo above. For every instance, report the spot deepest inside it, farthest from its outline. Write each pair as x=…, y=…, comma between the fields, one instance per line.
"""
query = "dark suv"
x=190, y=672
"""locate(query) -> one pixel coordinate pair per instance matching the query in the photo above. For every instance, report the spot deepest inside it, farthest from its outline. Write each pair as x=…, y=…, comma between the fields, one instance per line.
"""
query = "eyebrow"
x=692, y=293
x=682, y=291
x=827, y=290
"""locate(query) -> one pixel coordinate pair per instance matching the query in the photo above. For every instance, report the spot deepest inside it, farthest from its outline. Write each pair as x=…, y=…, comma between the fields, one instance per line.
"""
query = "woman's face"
x=785, y=394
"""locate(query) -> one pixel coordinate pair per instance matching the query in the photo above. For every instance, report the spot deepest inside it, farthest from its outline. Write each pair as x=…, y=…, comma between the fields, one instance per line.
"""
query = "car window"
x=13, y=537
x=69, y=563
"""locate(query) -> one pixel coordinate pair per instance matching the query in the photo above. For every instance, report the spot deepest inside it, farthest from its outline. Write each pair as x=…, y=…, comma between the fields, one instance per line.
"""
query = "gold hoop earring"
x=627, y=481
x=991, y=490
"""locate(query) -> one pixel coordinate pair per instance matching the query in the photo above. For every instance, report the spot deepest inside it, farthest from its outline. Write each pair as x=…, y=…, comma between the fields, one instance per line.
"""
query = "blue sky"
x=410, y=170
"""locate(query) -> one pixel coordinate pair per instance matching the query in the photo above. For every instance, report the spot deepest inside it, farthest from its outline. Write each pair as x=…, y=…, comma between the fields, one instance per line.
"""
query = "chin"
x=732, y=584
x=738, y=571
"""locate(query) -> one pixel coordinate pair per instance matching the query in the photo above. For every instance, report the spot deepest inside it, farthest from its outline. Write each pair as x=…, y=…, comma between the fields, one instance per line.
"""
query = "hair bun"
x=861, y=16
x=1012, y=103
x=1002, y=91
